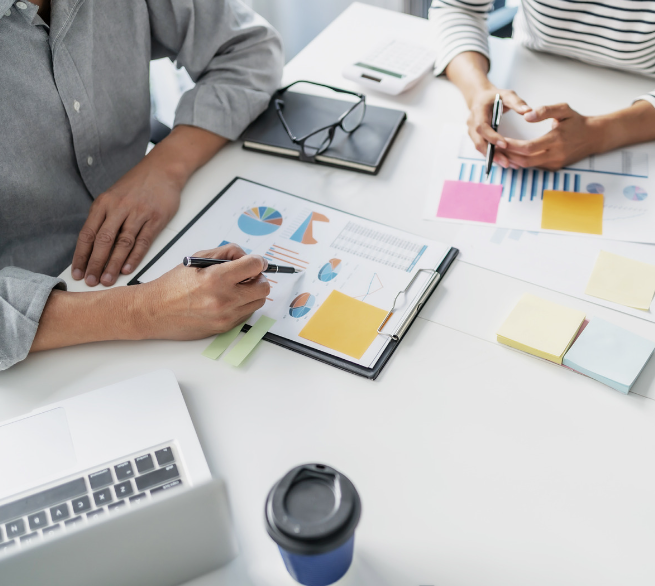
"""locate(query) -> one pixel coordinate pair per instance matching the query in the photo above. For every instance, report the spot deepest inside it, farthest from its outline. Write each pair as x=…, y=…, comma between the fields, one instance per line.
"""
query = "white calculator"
x=395, y=66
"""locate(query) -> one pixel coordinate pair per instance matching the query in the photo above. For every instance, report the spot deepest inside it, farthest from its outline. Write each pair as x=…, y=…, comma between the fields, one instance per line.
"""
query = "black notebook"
x=362, y=150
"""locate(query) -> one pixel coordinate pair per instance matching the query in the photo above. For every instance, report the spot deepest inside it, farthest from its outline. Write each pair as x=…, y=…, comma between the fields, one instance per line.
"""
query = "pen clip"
x=497, y=113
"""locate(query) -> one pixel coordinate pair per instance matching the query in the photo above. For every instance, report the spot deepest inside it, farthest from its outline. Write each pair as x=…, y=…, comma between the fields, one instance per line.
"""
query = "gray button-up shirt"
x=75, y=112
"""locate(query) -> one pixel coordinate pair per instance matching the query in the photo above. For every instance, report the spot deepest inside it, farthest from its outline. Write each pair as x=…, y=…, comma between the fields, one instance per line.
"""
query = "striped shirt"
x=619, y=34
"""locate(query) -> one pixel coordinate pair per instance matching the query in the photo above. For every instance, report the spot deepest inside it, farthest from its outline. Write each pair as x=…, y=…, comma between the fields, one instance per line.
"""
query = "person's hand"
x=572, y=138
x=191, y=303
x=481, y=107
x=123, y=222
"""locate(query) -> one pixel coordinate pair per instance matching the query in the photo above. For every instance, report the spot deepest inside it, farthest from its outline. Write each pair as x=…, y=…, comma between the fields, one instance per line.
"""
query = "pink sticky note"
x=461, y=200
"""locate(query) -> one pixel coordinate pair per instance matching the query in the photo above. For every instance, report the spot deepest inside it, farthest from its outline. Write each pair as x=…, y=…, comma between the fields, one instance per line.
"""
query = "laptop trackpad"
x=34, y=449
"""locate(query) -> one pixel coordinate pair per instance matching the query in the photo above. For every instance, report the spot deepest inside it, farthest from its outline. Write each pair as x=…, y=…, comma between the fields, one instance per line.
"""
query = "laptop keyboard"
x=99, y=493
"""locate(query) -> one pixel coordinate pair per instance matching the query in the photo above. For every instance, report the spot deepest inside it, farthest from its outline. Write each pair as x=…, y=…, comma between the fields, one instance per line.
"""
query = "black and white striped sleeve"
x=648, y=98
x=459, y=26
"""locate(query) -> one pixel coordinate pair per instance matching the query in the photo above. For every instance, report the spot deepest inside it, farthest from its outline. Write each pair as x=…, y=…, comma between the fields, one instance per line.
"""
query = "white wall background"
x=299, y=21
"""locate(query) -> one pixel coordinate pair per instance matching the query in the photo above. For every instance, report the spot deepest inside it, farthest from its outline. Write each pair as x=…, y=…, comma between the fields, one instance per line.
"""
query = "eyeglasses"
x=318, y=141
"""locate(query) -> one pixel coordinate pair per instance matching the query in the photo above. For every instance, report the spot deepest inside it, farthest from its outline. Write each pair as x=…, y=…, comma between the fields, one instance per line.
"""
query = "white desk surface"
x=476, y=464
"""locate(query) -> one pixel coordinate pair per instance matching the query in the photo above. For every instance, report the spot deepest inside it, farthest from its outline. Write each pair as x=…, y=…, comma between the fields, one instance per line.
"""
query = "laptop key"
x=144, y=463
x=123, y=489
x=95, y=515
x=164, y=456
x=4, y=547
x=15, y=529
x=102, y=497
x=173, y=484
x=38, y=521
x=100, y=479
x=138, y=498
x=81, y=505
x=60, y=513
x=124, y=471
x=116, y=506
x=42, y=500
x=73, y=522
x=52, y=530
x=29, y=539
x=159, y=476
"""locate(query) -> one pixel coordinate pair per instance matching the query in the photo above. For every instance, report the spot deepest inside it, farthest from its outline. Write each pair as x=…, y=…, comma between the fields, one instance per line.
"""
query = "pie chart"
x=329, y=270
x=260, y=221
x=301, y=305
x=595, y=188
x=635, y=193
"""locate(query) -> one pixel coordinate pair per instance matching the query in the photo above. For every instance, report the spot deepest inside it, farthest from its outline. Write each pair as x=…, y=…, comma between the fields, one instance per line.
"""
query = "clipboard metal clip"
x=429, y=286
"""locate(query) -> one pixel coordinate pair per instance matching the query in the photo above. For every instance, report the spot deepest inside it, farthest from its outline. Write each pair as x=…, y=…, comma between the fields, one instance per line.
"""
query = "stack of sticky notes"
x=540, y=327
x=609, y=354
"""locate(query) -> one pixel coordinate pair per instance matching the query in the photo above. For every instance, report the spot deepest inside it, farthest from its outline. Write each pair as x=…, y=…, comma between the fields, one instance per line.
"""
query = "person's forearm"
x=69, y=318
x=468, y=71
x=184, y=150
x=625, y=127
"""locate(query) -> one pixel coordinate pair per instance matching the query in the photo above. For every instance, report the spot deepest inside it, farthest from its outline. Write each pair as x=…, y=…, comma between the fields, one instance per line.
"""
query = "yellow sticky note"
x=572, y=212
x=541, y=327
x=344, y=324
x=622, y=280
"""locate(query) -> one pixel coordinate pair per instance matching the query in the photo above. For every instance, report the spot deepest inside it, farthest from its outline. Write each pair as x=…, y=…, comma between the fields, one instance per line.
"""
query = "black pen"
x=201, y=263
x=495, y=123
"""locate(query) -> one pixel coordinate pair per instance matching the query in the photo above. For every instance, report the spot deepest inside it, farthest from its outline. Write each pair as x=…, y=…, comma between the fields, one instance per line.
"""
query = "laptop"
x=110, y=487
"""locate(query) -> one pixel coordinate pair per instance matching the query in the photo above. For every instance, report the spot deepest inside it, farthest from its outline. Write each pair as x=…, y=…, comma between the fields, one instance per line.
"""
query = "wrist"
x=605, y=133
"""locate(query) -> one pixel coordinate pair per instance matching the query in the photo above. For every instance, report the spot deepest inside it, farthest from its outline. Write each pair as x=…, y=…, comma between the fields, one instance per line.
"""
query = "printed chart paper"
x=622, y=280
x=359, y=258
x=624, y=179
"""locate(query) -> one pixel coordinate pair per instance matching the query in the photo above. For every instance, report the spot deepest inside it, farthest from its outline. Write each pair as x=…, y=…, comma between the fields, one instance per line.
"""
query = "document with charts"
x=621, y=182
x=361, y=259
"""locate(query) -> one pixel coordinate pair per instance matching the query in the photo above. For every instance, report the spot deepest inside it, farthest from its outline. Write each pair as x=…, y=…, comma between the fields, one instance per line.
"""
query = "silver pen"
x=496, y=115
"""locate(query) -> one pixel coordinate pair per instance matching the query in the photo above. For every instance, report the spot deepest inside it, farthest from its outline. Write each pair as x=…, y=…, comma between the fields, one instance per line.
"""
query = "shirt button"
x=89, y=161
x=21, y=5
x=76, y=105
x=8, y=13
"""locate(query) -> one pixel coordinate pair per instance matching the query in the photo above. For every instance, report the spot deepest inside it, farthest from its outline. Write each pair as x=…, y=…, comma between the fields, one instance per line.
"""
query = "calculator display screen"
x=380, y=70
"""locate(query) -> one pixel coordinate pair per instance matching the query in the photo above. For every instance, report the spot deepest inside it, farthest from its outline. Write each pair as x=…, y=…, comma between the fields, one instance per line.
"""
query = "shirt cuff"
x=647, y=98
x=23, y=296
x=224, y=110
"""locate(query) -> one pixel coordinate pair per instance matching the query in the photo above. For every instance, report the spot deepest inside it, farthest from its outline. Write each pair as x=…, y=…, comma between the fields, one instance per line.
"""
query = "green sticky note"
x=246, y=344
x=221, y=343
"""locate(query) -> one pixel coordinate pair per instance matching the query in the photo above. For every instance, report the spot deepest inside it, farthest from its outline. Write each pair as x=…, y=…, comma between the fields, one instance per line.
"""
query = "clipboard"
x=395, y=336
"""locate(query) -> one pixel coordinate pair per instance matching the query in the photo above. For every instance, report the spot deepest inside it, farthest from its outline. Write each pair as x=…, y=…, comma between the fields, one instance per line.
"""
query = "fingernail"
x=127, y=269
x=524, y=108
x=77, y=274
x=265, y=263
x=501, y=144
x=530, y=116
x=107, y=278
x=91, y=280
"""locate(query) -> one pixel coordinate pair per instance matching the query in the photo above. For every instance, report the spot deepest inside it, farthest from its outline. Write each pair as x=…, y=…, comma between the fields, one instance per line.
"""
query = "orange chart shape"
x=304, y=232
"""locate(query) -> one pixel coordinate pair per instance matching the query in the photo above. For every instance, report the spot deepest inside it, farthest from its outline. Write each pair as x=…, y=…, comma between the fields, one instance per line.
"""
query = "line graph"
x=373, y=287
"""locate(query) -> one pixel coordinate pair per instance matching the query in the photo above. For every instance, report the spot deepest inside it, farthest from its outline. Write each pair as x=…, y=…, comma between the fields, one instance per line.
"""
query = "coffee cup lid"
x=313, y=509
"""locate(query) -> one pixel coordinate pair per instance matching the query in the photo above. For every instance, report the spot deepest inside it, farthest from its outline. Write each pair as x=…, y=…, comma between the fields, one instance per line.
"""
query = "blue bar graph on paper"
x=556, y=181
x=566, y=182
x=535, y=184
x=545, y=183
x=503, y=176
x=524, y=183
x=472, y=175
x=482, y=169
x=493, y=173
x=513, y=184
x=462, y=168
x=576, y=184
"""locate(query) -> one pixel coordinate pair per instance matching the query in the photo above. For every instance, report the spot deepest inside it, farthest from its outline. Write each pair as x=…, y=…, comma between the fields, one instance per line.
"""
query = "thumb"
x=244, y=268
x=557, y=111
x=511, y=101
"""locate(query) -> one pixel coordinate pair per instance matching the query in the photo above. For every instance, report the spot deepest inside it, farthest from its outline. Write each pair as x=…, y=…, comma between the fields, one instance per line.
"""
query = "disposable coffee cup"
x=312, y=514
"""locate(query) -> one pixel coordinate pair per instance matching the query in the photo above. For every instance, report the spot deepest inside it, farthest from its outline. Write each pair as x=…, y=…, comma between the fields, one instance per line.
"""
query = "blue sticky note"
x=609, y=354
